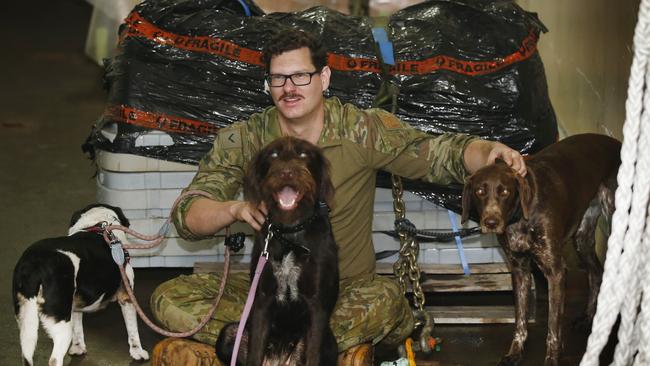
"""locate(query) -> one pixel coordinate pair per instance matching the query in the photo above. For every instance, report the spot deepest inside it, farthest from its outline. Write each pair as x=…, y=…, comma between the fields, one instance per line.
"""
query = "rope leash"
x=190, y=332
x=119, y=253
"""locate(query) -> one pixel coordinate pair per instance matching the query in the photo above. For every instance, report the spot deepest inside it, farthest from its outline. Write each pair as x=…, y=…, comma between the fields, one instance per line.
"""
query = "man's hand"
x=247, y=212
x=206, y=217
x=480, y=153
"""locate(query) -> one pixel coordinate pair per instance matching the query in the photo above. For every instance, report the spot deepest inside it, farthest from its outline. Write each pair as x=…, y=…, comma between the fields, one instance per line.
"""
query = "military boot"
x=182, y=352
x=359, y=355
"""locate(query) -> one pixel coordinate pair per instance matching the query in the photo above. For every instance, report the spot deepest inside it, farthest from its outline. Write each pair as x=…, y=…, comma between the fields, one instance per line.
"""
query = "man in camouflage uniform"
x=358, y=143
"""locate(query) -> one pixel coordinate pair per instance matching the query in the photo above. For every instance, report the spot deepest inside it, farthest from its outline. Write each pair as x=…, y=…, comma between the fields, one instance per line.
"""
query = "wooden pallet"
x=441, y=280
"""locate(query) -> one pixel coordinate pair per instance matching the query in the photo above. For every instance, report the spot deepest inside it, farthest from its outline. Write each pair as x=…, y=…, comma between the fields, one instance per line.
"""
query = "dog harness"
x=278, y=229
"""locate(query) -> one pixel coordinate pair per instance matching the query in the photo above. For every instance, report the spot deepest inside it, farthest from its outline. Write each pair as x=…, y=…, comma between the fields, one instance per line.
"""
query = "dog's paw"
x=137, y=353
x=77, y=349
x=510, y=360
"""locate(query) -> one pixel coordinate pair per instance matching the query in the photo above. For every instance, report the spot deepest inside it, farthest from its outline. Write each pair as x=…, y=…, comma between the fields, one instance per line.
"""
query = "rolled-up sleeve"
x=396, y=147
x=220, y=175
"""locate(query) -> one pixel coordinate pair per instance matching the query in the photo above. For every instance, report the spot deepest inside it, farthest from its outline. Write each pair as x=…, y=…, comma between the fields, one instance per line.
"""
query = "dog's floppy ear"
x=525, y=194
x=120, y=216
x=326, y=188
x=466, y=200
x=255, y=173
x=118, y=211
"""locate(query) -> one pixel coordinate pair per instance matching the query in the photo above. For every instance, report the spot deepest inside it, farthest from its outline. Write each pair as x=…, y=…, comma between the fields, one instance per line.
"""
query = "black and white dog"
x=56, y=280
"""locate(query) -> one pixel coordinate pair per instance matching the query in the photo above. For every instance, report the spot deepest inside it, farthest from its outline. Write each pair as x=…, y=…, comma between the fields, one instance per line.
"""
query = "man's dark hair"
x=293, y=39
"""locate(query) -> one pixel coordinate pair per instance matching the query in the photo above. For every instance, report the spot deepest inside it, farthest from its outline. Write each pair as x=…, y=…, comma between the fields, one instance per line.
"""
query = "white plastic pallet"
x=175, y=251
x=174, y=245
x=144, y=180
x=164, y=184
x=145, y=189
x=119, y=162
x=138, y=199
x=478, y=249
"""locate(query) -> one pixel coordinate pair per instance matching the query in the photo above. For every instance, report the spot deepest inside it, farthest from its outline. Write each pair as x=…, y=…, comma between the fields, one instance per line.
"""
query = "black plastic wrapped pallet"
x=190, y=67
x=471, y=67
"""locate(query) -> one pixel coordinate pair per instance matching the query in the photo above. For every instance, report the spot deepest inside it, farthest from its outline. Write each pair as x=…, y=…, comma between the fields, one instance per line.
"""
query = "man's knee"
x=371, y=310
x=181, y=303
x=171, y=306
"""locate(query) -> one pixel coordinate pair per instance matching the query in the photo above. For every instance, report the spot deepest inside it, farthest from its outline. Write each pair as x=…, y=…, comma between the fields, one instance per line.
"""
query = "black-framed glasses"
x=298, y=79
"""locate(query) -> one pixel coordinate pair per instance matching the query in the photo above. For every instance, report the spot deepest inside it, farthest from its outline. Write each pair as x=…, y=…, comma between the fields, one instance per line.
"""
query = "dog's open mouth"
x=288, y=198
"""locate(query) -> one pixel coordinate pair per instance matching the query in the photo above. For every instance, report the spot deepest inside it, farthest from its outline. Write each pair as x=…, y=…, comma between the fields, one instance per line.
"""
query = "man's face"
x=295, y=102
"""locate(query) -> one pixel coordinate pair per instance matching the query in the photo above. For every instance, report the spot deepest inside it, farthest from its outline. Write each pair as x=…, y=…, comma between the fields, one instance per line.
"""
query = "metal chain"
x=406, y=265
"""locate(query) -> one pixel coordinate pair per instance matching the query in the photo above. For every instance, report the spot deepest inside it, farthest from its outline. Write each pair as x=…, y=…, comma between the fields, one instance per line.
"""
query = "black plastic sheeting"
x=177, y=78
x=510, y=105
x=163, y=79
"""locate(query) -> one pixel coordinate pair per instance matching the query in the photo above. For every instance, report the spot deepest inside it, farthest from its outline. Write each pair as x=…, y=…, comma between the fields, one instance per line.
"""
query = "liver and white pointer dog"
x=568, y=186
x=298, y=288
x=56, y=280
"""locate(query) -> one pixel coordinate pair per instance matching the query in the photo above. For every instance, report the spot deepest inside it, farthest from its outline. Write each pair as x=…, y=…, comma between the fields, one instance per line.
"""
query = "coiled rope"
x=625, y=289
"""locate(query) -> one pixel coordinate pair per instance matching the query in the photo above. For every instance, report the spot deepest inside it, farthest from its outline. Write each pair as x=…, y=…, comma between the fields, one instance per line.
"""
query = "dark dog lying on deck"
x=298, y=288
x=568, y=186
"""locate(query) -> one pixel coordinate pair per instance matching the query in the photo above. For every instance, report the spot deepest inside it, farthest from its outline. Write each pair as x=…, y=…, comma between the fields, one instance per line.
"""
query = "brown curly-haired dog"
x=298, y=288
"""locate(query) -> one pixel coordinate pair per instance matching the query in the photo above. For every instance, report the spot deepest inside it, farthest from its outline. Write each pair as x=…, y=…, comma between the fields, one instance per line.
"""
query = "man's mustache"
x=290, y=95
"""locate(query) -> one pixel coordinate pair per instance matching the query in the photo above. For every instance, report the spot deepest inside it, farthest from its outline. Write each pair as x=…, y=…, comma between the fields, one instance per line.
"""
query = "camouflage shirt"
x=357, y=143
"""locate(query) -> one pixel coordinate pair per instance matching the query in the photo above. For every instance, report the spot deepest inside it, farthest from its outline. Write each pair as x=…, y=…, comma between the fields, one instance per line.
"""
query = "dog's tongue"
x=287, y=198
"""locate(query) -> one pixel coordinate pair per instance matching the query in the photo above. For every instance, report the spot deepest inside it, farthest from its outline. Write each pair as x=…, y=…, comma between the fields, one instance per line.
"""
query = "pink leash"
x=251, y=297
x=118, y=249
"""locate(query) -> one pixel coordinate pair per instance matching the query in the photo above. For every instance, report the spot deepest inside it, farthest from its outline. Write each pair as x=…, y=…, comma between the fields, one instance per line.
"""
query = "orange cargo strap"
x=137, y=26
x=163, y=122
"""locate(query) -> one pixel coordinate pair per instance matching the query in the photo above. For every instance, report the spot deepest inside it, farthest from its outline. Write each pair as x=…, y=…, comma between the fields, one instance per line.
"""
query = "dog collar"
x=277, y=230
x=292, y=245
x=321, y=211
x=119, y=254
x=98, y=228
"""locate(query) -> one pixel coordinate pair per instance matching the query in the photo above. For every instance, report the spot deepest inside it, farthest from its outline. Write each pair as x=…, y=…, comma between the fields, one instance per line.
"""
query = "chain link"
x=406, y=267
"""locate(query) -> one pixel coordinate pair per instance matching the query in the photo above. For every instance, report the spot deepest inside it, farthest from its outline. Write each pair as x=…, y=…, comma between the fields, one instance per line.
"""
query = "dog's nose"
x=286, y=174
x=491, y=223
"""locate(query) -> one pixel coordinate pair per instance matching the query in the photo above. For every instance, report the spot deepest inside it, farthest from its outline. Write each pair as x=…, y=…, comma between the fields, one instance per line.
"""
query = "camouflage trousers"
x=369, y=309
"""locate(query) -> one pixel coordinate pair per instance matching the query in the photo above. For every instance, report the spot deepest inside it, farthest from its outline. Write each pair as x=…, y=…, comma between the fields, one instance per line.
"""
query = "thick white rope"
x=642, y=327
x=625, y=281
x=627, y=343
x=642, y=334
